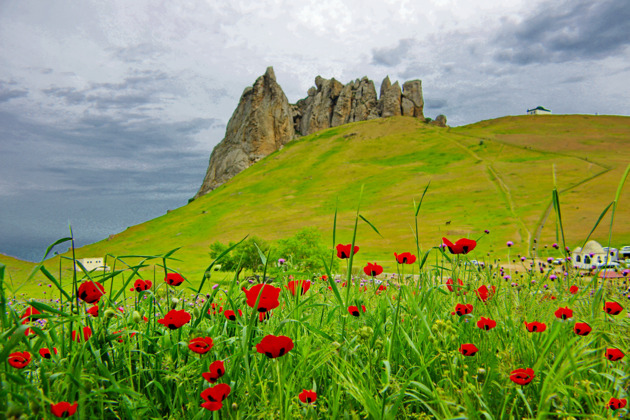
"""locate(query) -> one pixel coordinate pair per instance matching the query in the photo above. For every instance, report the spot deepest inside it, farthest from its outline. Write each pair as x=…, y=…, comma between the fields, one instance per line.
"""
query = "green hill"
x=494, y=175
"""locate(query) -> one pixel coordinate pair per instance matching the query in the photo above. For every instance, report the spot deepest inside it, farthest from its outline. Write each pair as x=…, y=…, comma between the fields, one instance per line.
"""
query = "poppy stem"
x=281, y=391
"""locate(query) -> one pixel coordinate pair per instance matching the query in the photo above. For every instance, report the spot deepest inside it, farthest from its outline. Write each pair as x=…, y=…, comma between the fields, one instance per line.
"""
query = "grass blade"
x=371, y=225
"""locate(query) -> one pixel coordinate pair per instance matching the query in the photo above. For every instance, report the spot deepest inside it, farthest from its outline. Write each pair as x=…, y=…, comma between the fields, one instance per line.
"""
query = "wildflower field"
x=440, y=338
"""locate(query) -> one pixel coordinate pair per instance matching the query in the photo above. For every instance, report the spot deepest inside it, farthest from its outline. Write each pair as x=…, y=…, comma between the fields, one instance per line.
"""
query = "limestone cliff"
x=264, y=121
x=261, y=124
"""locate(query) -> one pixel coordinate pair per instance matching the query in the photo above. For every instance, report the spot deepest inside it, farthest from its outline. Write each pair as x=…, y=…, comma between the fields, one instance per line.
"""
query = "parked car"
x=611, y=264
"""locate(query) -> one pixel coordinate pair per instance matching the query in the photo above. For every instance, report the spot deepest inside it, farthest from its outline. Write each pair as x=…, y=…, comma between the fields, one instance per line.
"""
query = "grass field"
x=495, y=175
x=402, y=347
x=351, y=346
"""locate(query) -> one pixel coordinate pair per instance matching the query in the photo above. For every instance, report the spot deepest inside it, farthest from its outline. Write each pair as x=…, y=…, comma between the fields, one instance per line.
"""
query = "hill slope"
x=494, y=175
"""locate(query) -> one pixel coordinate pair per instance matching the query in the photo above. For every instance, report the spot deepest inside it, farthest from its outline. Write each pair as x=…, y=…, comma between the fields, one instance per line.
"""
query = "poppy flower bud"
x=196, y=312
x=110, y=314
x=174, y=302
x=366, y=333
x=136, y=316
x=481, y=374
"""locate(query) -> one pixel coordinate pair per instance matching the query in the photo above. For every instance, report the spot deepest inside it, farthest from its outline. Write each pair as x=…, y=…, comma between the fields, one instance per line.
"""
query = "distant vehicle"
x=611, y=264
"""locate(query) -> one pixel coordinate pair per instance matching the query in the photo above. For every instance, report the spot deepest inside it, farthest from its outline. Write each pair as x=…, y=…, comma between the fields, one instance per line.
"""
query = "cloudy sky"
x=109, y=109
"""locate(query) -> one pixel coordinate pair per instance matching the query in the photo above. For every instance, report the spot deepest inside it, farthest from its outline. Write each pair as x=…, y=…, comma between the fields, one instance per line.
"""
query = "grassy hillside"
x=494, y=175
x=16, y=271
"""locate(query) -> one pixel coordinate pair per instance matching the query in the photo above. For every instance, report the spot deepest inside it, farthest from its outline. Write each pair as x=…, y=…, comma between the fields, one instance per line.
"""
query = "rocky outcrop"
x=330, y=104
x=412, y=103
x=261, y=124
x=264, y=121
x=440, y=120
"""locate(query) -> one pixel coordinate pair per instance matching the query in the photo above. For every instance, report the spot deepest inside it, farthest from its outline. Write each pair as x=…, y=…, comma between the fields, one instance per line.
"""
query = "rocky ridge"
x=264, y=121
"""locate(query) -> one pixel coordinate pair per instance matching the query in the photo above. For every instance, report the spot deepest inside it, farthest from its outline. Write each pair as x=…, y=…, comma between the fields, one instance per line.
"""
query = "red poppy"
x=405, y=258
x=463, y=309
x=213, y=309
x=574, y=289
x=214, y=396
x=450, y=282
x=231, y=315
x=87, y=333
x=20, y=360
x=91, y=291
x=268, y=297
x=462, y=246
x=582, y=328
x=613, y=308
x=613, y=354
x=30, y=311
x=293, y=284
x=272, y=346
x=522, y=376
x=486, y=323
x=142, y=285
x=372, y=269
x=200, y=345
x=484, y=294
x=93, y=311
x=63, y=409
x=307, y=397
x=45, y=353
x=175, y=319
x=354, y=311
x=343, y=251
x=174, y=279
x=564, y=313
x=381, y=288
x=535, y=326
x=216, y=370
x=468, y=349
x=616, y=403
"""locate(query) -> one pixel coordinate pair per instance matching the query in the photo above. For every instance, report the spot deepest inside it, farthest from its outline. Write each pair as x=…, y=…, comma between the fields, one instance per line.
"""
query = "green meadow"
x=495, y=175
x=430, y=336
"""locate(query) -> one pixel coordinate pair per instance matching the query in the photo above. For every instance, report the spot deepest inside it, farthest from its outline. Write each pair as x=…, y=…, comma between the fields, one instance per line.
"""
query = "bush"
x=243, y=257
x=305, y=250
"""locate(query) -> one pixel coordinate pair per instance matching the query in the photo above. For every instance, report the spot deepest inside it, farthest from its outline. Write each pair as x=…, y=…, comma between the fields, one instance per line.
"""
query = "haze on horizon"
x=109, y=110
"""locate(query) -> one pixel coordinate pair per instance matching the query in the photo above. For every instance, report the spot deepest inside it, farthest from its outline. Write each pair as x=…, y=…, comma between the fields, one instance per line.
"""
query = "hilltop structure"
x=539, y=110
x=264, y=121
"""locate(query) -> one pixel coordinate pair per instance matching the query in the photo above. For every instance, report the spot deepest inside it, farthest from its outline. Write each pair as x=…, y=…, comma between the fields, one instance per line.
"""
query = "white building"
x=592, y=255
x=539, y=110
x=91, y=264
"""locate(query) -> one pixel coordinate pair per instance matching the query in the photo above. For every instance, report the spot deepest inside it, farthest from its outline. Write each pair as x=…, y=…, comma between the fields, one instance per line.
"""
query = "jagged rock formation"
x=261, y=124
x=264, y=121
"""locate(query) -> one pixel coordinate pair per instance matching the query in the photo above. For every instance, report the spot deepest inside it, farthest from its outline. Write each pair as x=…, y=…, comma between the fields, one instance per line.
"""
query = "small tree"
x=306, y=249
x=244, y=256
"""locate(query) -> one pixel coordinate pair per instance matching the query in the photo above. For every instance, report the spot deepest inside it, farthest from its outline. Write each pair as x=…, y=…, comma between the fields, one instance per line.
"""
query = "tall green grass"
x=399, y=359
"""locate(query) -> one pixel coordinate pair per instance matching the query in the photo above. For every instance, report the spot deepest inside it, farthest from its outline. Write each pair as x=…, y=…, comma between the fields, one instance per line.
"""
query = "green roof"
x=539, y=108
